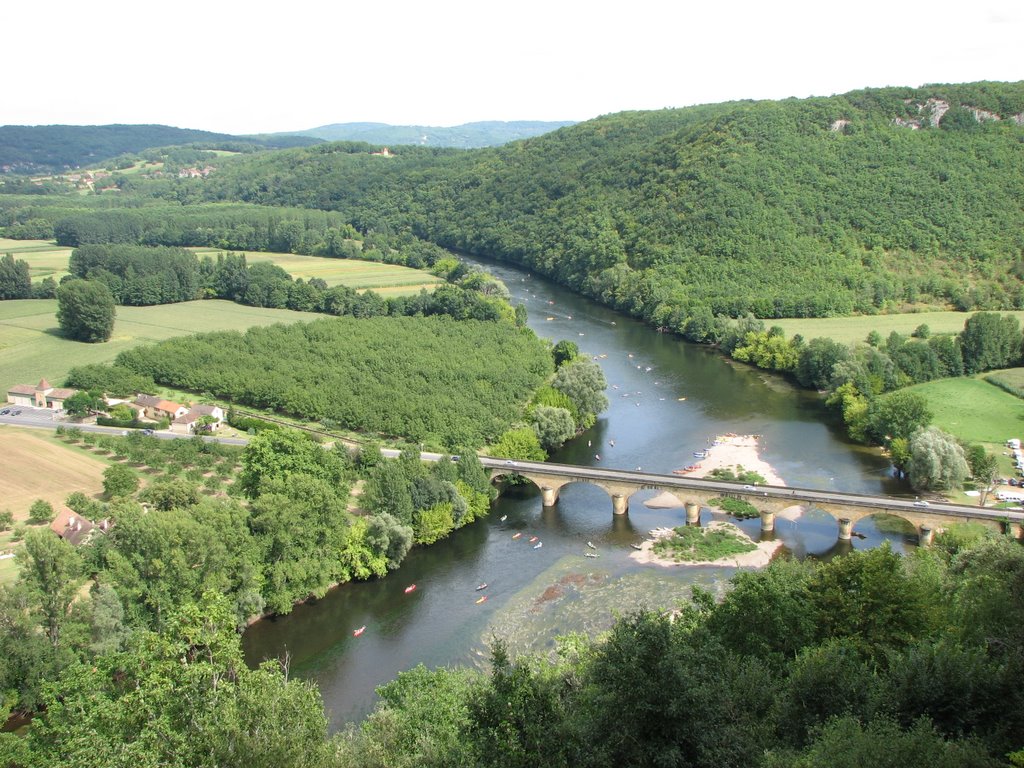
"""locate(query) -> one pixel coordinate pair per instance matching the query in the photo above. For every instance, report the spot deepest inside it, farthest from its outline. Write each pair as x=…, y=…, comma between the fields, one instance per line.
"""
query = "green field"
x=851, y=329
x=45, y=258
x=973, y=410
x=31, y=348
x=386, y=279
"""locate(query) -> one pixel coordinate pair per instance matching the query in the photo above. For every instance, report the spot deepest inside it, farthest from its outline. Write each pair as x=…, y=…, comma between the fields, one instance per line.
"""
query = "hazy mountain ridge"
x=466, y=136
x=51, y=148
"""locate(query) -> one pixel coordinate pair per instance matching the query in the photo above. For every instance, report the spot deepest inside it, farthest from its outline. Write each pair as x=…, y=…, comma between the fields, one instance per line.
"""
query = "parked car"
x=5, y=411
x=147, y=432
x=16, y=413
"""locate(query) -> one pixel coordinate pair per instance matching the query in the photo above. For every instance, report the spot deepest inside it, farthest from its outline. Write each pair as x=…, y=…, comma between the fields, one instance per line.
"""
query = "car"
x=748, y=487
x=124, y=433
x=16, y=413
x=5, y=411
x=510, y=462
x=920, y=503
x=147, y=432
x=456, y=458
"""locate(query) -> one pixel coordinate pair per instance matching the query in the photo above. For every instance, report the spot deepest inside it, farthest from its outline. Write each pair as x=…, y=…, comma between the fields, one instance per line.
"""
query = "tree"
x=984, y=469
x=989, y=340
x=554, y=426
x=898, y=415
x=817, y=359
x=119, y=480
x=50, y=569
x=15, y=282
x=81, y=404
x=564, y=352
x=584, y=383
x=85, y=310
x=936, y=460
x=519, y=443
x=41, y=511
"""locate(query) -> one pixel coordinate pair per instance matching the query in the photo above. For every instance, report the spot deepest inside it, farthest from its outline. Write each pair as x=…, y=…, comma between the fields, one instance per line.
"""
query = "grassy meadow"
x=31, y=347
x=385, y=279
x=852, y=329
x=45, y=258
x=974, y=410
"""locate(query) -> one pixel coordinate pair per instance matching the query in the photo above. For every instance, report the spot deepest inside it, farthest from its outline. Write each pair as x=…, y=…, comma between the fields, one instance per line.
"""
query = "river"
x=667, y=399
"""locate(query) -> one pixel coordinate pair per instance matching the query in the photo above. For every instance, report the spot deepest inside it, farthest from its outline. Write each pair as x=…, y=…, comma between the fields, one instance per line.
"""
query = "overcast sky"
x=234, y=67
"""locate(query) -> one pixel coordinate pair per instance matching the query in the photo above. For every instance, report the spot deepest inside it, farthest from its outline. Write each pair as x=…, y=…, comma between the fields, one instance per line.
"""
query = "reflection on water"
x=667, y=399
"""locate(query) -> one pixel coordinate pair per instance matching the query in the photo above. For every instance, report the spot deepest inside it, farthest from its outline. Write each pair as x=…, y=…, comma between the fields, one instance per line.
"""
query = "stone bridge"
x=694, y=493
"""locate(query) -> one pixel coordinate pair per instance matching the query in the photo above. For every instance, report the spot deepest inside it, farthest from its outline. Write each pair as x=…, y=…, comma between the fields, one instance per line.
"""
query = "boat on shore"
x=687, y=469
x=589, y=554
x=410, y=588
x=591, y=545
x=359, y=631
x=700, y=454
x=637, y=547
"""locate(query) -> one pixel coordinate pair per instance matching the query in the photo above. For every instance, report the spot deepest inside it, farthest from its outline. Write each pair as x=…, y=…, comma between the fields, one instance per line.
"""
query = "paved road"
x=42, y=418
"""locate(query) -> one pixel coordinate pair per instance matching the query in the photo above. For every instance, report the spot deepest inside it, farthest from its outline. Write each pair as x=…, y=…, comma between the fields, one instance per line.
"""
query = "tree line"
x=868, y=659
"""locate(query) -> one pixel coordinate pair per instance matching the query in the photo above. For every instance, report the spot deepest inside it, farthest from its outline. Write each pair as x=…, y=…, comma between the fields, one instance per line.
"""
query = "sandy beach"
x=728, y=451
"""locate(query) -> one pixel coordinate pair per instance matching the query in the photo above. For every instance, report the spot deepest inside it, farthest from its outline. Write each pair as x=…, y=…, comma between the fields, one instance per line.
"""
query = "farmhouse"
x=74, y=528
x=43, y=395
x=156, y=408
x=188, y=423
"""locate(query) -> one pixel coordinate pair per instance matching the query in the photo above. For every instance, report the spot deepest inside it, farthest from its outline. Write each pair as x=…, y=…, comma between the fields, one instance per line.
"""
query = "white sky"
x=234, y=67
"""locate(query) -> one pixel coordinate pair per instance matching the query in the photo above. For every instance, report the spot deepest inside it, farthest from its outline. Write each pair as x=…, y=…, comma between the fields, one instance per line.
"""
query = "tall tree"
x=15, y=282
x=50, y=569
x=85, y=310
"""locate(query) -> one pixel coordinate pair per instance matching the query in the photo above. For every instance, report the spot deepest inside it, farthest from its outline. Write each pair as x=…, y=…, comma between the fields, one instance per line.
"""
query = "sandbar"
x=757, y=558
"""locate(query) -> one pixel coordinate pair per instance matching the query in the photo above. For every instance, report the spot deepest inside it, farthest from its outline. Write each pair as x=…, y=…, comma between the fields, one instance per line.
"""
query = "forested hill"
x=862, y=202
x=47, y=148
x=489, y=133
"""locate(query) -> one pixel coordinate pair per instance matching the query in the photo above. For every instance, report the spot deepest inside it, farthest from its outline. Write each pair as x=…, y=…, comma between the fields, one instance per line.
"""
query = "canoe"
x=516, y=535
x=533, y=539
x=482, y=599
x=359, y=631
x=591, y=545
x=482, y=586
x=538, y=545
x=410, y=588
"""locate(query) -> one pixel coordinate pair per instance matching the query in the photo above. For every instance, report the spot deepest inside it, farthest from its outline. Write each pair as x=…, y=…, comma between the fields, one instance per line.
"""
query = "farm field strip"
x=853, y=329
x=973, y=410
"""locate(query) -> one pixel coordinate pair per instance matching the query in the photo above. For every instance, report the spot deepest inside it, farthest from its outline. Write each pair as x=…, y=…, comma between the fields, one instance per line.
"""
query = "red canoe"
x=359, y=631
x=410, y=588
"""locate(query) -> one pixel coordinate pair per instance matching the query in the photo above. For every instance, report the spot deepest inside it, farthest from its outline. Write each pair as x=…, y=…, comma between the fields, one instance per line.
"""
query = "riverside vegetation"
x=870, y=659
x=695, y=221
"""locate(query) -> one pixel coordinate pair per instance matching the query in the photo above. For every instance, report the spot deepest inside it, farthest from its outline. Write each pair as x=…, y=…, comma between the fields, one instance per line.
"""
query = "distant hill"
x=53, y=148
x=468, y=136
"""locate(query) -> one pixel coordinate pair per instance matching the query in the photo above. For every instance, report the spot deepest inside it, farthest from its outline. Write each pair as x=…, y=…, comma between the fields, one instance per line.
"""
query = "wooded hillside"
x=863, y=202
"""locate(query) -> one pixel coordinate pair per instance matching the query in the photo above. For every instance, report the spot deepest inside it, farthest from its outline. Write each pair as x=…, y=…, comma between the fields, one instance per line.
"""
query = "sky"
x=242, y=68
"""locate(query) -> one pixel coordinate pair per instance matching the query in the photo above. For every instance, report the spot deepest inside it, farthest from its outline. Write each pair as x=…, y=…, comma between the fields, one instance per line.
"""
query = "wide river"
x=534, y=595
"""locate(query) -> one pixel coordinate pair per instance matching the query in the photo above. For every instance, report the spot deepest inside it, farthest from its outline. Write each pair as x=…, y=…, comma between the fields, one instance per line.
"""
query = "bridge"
x=693, y=493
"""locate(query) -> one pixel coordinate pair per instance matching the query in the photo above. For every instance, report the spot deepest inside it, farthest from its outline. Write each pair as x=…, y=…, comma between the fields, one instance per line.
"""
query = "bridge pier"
x=692, y=513
x=620, y=504
x=549, y=495
x=925, y=535
x=845, y=528
x=767, y=521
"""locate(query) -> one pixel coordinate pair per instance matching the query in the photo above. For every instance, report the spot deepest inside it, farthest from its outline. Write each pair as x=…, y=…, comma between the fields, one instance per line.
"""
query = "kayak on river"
x=533, y=539
x=359, y=631
x=482, y=599
x=482, y=586
x=410, y=588
x=516, y=535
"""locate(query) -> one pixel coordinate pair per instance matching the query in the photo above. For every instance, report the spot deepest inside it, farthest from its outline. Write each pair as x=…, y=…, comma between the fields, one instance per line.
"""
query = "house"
x=157, y=408
x=75, y=529
x=187, y=423
x=43, y=395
